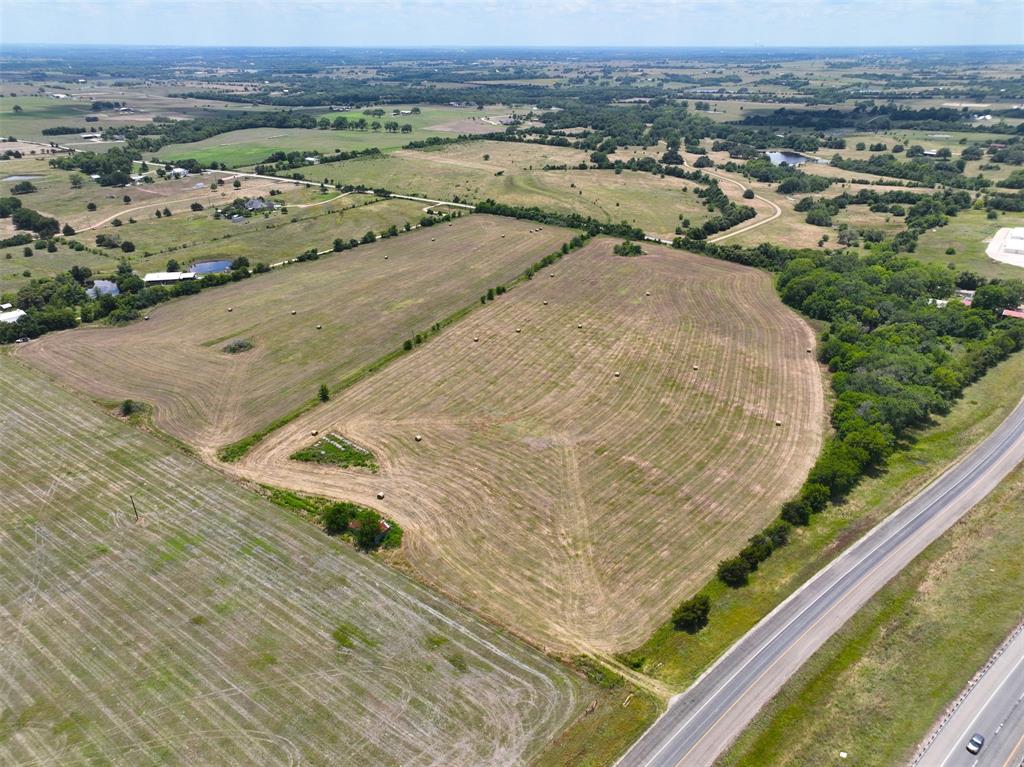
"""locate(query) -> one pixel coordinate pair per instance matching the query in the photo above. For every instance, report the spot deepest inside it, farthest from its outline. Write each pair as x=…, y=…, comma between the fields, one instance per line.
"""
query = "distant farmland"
x=513, y=174
x=573, y=504
x=219, y=629
x=367, y=300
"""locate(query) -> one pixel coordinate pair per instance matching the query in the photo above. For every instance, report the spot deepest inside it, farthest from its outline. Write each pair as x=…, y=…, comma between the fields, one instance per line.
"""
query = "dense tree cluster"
x=920, y=170
x=113, y=166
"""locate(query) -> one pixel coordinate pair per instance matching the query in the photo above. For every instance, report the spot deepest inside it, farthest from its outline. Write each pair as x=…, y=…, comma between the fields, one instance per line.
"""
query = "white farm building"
x=167, y=278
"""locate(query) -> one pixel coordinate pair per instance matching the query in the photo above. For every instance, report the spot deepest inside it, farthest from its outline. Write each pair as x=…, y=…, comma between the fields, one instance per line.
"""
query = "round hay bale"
x=696, y=367
x=146, y=317
x=380, y=495
x=809, y=350
x=319, y=327
x=579, y=326
x=419, y=437
x=616, y=374
x=385, y=257
x=230, y=309
x=519, y=330
x=545, y=303
x=647, y=293
x=293, y=311
x=432, y=239
x=315, y=432
x=476, y=338
x=778, y=422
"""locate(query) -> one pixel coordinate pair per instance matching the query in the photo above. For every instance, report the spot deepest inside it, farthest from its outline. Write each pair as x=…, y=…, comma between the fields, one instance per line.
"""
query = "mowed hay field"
x=367, y=305
x=220, y=629
x=572, y=505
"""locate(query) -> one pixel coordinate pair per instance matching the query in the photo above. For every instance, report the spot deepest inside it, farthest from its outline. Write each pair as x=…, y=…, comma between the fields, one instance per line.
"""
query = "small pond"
x=209, y=267
x=789, y=158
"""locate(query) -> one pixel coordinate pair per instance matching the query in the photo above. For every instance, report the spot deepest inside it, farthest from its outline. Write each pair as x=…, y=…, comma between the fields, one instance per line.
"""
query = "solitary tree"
x=324, y=393
x=692, y=615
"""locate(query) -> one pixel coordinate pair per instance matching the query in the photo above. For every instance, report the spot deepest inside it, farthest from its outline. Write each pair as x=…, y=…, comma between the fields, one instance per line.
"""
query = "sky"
x=402, y=23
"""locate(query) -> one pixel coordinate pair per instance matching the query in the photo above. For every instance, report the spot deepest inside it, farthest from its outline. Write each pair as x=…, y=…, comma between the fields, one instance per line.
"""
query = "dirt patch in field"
x=572, y=482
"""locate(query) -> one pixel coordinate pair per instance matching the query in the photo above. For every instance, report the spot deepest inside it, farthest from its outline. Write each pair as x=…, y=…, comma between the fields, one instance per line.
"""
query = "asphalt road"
x=700, y=723
x=994, y=707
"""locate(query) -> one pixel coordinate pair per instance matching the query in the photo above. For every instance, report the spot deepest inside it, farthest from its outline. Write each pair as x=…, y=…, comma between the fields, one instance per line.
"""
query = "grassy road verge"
x=876, y=687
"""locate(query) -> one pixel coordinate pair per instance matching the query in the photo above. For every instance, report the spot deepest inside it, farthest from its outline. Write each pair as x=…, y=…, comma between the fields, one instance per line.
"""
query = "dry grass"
x=366, y=304
x=571, y=505
x=202, y=634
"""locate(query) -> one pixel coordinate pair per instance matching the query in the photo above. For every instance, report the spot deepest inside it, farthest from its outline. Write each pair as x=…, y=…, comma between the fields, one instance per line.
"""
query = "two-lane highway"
x=703, y=721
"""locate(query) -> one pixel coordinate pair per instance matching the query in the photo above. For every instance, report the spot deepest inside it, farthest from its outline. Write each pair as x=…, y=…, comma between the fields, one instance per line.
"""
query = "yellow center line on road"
x=1015, y=752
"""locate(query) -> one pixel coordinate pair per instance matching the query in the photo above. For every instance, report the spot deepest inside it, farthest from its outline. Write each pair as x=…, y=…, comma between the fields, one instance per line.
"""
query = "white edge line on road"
x=849, y=553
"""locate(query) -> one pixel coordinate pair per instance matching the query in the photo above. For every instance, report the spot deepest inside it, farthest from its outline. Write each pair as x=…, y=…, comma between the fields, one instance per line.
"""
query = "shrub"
x=336, y=518
x=748, y=194
x=816, y=496
x=734, y=572
x=778, y=533
x=757, y=550
x=692, y=615
x=796, y=512
x=236, y=347
x=128, y=407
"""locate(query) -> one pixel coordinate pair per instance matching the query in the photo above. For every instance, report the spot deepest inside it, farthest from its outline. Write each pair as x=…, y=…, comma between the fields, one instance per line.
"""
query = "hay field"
x=571, y=505
x=643, y=199
x=367, y=305
x=220, y=629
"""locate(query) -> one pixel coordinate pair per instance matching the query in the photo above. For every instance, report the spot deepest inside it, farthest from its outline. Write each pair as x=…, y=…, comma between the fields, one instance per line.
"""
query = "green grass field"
x=512, y=173
x=968, y=233
x=678, y=658
x=875, y=688
x=220, y=629
x=251, y=146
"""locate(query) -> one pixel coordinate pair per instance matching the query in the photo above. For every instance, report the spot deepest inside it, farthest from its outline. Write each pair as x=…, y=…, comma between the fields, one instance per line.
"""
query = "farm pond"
x=211, y=267
x=790, y=158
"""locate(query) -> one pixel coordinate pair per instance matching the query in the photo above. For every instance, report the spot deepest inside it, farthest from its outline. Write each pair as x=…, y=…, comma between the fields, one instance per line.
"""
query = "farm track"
x=99, y=659
x=571, y=505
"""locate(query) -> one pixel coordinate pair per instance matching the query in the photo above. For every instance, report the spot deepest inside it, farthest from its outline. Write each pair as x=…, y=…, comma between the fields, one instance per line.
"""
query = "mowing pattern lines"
x=573, y=505
x=202, y=634
x=368, y=301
